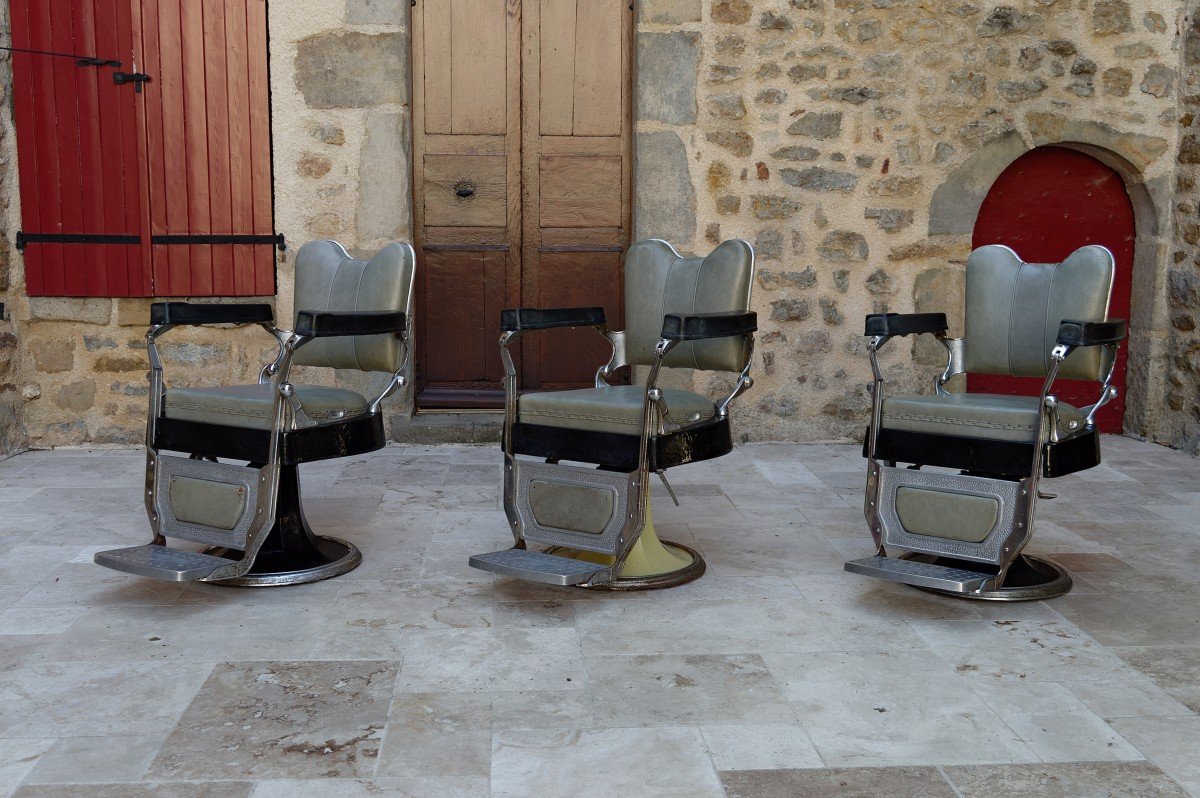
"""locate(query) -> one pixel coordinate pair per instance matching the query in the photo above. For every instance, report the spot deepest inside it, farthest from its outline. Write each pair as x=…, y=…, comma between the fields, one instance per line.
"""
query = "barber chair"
x=577, y=463
x=351, y=314
x=962, y=512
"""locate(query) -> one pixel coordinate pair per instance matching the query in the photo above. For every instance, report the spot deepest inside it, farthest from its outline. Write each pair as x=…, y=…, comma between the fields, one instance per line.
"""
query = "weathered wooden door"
x=521, y=184
x=1045, y=205
x=145, y=171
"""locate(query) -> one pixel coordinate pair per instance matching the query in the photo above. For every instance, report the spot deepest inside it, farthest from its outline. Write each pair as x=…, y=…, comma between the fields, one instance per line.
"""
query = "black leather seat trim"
x=324, y=442
x=616, y=451
x=998, y=458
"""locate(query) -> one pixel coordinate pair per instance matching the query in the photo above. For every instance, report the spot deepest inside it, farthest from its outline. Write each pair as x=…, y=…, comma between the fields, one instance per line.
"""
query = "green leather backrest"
x=329, y=279
x=1014, y=310
x=659, y=281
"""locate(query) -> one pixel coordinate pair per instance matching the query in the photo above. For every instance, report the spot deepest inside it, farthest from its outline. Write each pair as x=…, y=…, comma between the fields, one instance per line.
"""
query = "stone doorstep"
x=447, y=427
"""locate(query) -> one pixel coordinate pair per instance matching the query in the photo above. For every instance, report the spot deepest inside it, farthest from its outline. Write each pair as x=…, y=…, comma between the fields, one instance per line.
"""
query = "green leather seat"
x=993, y=417
x=616, y=408
x=251, y=406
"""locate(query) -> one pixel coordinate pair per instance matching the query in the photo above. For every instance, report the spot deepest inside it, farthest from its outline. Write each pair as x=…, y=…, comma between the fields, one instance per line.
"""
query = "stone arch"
x=955, y=205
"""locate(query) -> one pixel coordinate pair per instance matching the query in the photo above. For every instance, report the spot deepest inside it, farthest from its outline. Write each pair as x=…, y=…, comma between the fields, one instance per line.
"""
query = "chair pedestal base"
x=292, y=554
x=1028, y=579
x=652, y=564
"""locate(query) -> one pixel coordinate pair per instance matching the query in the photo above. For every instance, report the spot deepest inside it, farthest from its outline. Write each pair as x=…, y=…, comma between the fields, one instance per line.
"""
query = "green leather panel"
x=328, y=279
x=975, y=415
x=617, y=408
x=205, y=502
x=658, y=281
x=251, y=406
x=574, y=507
x=1014, y=310
x=944, y=514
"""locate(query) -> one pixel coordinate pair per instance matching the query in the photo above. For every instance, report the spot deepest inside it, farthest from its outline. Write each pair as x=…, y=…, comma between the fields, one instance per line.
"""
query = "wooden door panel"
x=569, y=358
x=479, y=75
x=580, y=191
x=599, y=76
x=466, y=289
x=484, y=176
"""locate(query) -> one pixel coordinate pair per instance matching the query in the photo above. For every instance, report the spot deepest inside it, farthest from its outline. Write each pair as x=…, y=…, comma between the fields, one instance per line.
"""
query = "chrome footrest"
x=161, y=562
x=536, y=566
x=920, y=574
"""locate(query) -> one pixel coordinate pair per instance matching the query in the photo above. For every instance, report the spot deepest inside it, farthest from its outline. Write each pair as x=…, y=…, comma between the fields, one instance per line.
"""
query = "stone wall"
x=852, y=142
x=340, y=137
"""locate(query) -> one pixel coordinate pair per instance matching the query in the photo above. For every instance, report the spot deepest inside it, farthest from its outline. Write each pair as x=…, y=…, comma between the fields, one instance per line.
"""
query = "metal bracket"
x=136, y=78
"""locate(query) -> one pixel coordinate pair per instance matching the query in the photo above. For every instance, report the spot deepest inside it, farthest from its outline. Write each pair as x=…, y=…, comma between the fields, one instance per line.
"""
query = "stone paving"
x=776, y=674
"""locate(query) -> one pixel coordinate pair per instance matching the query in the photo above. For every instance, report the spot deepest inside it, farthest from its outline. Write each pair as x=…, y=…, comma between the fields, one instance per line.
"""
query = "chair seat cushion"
x=617, y=408
x=250, y=406
x=976, y=415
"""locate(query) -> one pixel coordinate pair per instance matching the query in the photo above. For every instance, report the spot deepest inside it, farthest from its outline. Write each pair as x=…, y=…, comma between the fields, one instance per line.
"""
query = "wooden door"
x=79, y=152
x=521, y=184
x=1045, y=205
x=145, y=171
x=208, y=132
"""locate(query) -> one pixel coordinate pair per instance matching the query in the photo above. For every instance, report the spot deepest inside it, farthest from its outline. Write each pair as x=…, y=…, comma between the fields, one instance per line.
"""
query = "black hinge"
x=136, y=78
x=23, y=239
x=273, y=240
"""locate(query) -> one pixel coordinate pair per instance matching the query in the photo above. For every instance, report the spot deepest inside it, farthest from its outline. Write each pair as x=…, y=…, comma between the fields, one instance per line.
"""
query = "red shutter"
x=182, y=167
x=78, y=151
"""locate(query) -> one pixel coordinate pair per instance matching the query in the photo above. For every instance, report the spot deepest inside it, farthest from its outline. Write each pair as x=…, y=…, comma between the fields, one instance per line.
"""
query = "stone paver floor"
x=776, y=674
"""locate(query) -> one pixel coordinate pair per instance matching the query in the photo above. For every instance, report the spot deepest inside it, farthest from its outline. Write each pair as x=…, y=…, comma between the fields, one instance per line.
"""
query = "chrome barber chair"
x=594, y=515
x=963, y=531
x=351, y=314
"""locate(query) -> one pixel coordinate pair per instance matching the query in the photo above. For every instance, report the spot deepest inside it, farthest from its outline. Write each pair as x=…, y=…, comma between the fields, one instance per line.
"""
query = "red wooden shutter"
x=159, y=188
x=208, y=133
x=83, y=203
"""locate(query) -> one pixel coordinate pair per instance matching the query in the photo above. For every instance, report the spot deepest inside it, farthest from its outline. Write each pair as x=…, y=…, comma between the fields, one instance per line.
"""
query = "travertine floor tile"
x=635, y=763
x=1066, y=780
x=899, y=782
x=685, y=690
x=282, y=719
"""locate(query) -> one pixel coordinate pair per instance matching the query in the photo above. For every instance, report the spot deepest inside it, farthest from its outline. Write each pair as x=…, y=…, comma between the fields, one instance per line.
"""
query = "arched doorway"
x=1045, y=205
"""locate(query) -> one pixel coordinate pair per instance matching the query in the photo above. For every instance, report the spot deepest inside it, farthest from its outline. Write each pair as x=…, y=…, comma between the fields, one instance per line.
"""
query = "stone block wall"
x=852, y=142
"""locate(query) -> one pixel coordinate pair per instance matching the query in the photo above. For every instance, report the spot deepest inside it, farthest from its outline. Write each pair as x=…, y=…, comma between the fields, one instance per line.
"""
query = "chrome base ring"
x=680, y=576
x=341, y=557
x=1029, y=578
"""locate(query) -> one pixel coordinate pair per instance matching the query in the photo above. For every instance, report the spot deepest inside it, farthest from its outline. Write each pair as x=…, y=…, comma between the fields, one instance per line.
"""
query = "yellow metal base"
x=652, y=563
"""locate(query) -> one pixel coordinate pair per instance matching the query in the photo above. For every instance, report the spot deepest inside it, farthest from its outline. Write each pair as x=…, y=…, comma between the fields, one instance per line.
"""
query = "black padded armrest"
x=515, y=319
x=202, y=313
x=325, y=324
x=681, y=327
x=889, y=324
x=1091, y=333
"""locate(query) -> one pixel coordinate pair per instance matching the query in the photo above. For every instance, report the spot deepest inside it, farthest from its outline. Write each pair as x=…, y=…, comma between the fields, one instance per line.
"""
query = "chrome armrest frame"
x=744, y=381
x=955, y=347
x=1107, y=391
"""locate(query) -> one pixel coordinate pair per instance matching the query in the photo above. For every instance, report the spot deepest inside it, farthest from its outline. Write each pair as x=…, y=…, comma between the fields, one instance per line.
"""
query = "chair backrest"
x=1014, y=310
x=329, y=279
x=659, y=281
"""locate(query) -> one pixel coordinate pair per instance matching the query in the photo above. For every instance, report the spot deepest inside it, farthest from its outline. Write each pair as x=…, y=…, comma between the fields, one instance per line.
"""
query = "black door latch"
x=136, y=78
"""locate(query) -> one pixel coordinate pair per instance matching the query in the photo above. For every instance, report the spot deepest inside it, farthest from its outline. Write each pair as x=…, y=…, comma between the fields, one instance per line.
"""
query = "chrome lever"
x=663, y=476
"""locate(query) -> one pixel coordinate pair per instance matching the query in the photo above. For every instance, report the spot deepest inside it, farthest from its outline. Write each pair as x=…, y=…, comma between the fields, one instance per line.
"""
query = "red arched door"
x=1045, y=205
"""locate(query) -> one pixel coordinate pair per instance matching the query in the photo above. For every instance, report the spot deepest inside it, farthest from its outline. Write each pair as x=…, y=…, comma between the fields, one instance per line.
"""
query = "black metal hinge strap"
x=136, y=78
x=24, y=239
x=273, y=240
